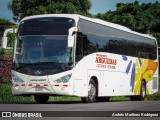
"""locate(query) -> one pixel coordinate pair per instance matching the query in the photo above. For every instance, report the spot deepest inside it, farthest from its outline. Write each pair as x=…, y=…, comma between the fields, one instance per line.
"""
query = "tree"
x=23, y=8
x=143, y=18
x=5, y=22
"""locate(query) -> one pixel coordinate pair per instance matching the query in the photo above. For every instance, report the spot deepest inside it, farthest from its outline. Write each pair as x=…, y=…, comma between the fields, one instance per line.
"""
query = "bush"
x=5, y=65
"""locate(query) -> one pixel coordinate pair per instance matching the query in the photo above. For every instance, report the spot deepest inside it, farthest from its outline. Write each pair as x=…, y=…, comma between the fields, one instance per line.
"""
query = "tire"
x=41, y=99
x=91, y=93
x=102, y=99
x=143, y=91
x=142, y=95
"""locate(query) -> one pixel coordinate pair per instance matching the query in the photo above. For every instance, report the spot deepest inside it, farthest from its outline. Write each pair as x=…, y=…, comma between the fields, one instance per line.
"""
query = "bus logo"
x=104, y=62
x=38, y=72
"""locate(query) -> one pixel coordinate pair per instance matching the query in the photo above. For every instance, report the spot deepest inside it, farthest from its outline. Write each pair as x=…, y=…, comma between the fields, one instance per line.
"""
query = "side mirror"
x=70, y=41
x=4, y=42
x=4, y=38
x=71, y=37
x=72, y=30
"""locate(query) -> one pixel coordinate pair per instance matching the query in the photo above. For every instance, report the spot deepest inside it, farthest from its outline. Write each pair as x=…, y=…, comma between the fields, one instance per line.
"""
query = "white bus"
x=73, y=55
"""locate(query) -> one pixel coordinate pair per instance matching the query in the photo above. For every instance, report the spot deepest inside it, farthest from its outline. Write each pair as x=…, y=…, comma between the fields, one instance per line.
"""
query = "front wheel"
x=41, y=99
x=91, y=93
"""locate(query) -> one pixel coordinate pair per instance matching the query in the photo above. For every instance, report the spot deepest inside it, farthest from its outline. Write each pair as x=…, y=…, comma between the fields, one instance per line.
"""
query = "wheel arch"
x=144, y=80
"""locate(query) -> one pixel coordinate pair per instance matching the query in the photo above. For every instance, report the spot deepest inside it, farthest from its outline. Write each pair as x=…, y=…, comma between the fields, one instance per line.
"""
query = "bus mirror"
x=72, y=30
x=4, y=38
x=70, y=41
x=4, y=42
x=15, y=30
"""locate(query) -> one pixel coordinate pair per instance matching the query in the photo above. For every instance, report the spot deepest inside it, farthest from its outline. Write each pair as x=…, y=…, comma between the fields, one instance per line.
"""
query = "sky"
x=98, y=6
x=4, y=12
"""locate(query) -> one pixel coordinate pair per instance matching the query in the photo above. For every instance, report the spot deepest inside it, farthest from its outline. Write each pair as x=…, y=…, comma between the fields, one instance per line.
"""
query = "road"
x=64, y=107
x=79, y=106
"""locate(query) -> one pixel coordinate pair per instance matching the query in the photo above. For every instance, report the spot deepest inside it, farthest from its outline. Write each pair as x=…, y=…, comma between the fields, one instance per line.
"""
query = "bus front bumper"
x=32, y=89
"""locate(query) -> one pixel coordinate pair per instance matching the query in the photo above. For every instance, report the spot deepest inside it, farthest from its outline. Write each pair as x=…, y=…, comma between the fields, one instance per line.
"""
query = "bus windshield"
x=42, y=44
x=38, y=49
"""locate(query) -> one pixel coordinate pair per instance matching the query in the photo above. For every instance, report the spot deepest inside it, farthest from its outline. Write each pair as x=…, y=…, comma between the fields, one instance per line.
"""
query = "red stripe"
x=65, y=85
x=56, y=85
x=23, y=84
x=30, y=85
x=45, y=84
x=38, y=85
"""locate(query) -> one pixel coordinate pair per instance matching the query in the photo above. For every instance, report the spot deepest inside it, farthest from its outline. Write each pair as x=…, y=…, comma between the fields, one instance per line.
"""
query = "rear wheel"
x=142, y=95
x=143, y=91
x=91, y=92
x=41, y=98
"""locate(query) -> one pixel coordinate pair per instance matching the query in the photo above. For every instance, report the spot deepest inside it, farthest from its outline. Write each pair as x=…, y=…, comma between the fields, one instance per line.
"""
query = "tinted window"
x=99, y=38
x=45, y=26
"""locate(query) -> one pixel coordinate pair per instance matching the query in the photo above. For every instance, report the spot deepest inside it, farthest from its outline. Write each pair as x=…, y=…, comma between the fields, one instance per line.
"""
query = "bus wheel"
x=41, y=98
x=91, y=93
x=143, y=91
x=102, y=99
x=142, y=95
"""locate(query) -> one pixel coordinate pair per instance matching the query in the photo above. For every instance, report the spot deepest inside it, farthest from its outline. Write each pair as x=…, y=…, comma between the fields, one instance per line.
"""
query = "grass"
x=6, y=96
x=154, y=96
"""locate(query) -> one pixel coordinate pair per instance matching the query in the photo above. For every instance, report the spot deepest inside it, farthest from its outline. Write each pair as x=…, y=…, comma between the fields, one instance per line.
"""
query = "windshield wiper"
x=37, y=63
x=19, y=67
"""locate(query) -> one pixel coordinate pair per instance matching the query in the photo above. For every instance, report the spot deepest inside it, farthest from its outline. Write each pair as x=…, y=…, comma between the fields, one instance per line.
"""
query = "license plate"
x=39, y=89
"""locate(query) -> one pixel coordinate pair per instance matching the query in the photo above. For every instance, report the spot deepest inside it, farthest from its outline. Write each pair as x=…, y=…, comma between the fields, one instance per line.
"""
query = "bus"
x=73, y=55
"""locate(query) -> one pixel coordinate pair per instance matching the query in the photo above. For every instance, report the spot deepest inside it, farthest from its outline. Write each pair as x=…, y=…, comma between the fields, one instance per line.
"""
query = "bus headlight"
x=63, y=79
x=17, y=79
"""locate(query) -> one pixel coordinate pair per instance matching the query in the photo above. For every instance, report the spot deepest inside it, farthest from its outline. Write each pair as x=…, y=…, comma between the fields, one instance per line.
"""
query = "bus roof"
x=95, y=20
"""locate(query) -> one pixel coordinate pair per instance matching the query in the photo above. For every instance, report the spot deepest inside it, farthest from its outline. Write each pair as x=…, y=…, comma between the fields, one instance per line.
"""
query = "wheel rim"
x=91, y=91
x=143, y=91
